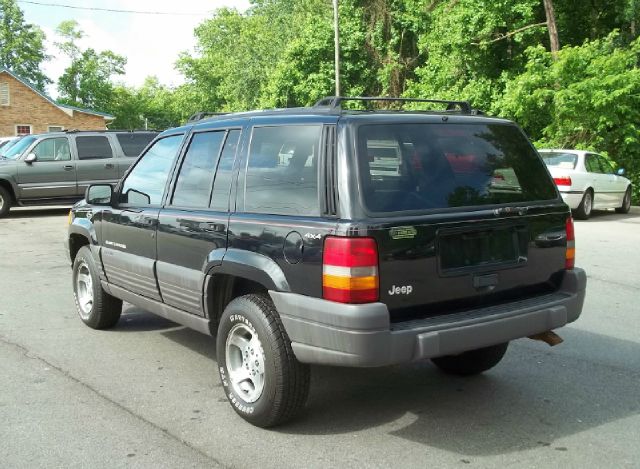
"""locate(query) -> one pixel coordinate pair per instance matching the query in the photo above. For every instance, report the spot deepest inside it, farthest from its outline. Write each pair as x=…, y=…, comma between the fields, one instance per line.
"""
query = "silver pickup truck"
x=56, y=168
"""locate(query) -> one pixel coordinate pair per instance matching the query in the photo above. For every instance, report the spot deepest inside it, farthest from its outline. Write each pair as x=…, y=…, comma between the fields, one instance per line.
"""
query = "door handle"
x=108, y=165
x=68, y=167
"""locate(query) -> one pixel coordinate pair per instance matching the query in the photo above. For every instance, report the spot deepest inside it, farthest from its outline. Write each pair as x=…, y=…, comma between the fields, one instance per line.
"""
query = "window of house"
x=4, y=94
x=55, y=128
x=23, y=130
x=93, y=148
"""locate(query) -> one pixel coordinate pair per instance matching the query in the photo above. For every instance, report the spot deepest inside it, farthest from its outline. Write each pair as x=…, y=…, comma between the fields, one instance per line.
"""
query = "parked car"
x=6, y=140
x=56, y=168
x=335, y=237
x=588, y=181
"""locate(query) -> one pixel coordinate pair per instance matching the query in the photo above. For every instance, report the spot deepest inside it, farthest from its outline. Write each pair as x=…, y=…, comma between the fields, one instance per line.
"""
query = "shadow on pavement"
x=536, y=396
x=532, y=398
x=611, y=215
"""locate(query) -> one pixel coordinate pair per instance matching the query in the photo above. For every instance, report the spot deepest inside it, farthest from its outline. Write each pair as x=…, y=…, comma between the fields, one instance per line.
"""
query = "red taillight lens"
x=570, y=257
x=562, y=181
x=350, y=270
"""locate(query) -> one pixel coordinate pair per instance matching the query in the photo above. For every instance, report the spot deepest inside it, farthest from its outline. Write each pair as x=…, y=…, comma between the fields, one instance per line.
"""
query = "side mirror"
x=30, y=158
x=99, y=194
x=620, y=172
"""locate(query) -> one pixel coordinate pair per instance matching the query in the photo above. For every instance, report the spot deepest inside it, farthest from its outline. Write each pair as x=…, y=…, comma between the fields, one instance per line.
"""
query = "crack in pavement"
x=33, y=356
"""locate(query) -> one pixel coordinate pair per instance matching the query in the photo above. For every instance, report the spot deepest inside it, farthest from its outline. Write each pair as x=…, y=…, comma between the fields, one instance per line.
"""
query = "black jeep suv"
x=340, y=237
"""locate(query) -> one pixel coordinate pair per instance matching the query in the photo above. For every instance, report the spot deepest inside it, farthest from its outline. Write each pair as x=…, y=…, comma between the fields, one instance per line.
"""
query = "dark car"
x=336, y=237
x=56, y=168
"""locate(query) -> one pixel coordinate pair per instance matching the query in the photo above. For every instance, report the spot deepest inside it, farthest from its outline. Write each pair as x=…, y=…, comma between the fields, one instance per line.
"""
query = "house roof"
x=63, y=107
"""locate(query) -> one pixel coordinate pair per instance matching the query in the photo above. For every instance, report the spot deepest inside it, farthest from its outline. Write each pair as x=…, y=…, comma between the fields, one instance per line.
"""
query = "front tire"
x=472, y=362
x=583, y=212
x=626, y=202
x=96, y=307
x=262, y=379
x=5, y=201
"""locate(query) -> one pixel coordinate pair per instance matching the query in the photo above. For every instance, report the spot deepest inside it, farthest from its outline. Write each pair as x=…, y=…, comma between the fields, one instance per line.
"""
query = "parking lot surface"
x=146, y=394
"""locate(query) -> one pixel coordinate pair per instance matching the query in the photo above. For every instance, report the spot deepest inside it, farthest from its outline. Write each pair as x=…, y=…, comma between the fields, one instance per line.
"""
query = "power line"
x=111, y=10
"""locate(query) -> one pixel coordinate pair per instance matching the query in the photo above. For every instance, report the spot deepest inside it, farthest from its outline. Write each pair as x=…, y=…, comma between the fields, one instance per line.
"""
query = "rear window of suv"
x=418, y=167
x=133, y=143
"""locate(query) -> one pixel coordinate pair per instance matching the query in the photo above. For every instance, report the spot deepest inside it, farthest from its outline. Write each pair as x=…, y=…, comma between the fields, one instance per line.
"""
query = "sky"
x=151, y=43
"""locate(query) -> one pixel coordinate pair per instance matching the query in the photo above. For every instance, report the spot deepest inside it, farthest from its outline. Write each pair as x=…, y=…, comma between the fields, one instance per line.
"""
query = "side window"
x=605, y=165
x=93, y=148
x=193, y=187
x=222, y=184
x=282, y=171
x=133, y=143
x=144, y=185
x=53, y=149
x=591, y=163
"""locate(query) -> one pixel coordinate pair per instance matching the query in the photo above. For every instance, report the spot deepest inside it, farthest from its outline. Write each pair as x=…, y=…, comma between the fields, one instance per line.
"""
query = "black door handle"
x=108, y=165
x=68, y=167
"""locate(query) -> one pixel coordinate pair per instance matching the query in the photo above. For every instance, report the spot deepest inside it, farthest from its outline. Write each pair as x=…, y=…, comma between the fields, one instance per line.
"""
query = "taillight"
x=350, y=270
x=570, y=257
x=562, y=181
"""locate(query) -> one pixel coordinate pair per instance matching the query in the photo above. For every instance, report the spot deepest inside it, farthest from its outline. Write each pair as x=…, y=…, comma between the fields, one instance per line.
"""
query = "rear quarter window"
x=418, y=167
x=132, y=144
x=282, y=170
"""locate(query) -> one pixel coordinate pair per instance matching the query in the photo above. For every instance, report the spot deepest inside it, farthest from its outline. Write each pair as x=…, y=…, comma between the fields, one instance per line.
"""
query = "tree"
x=87, y=80
x=21, y=45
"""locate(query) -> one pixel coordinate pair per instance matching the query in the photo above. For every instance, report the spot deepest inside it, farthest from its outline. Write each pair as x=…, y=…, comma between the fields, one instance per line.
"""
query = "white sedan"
x=588, y=181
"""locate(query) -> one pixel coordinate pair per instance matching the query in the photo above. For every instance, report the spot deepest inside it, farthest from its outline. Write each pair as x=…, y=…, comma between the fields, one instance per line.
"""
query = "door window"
x=605, y=165
x=53, y=149
x=193, y=187
x=146, y=182
x=133, y=143
x=93, y=148
x=222, y=184
x=591, y=163
x=282, y=170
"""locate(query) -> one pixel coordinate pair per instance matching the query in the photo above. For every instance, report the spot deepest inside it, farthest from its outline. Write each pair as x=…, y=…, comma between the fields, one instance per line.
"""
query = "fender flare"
x=249, y=265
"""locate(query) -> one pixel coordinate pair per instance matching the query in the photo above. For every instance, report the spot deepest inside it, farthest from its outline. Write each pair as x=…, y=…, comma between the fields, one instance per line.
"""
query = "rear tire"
x=583, y=212
x=96, y=307
x=263, y=380
x=472, y=362
x=626, y=202
x=5, y=201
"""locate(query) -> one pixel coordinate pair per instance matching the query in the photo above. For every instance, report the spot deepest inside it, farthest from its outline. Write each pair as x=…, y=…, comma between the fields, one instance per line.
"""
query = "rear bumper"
x=331, y=333
x=572, y=199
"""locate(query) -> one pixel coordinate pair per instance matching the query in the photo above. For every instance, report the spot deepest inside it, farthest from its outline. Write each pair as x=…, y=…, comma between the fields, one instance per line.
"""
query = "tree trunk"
x=551, y=26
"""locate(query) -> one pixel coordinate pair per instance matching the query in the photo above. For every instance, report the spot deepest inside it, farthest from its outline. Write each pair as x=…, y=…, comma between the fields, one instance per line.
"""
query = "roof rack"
x=334, y=102
x=77, y=131
x=198, y=116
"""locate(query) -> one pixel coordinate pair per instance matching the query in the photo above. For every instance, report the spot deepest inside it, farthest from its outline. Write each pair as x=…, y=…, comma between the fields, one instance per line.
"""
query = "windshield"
x=409, y=167
x=18, y=148
x=559, y=159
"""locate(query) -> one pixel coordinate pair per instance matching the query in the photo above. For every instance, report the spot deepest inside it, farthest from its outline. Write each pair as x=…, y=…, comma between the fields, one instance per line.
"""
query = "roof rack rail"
x=76, y=131
x=203, y=115
x=334, y=102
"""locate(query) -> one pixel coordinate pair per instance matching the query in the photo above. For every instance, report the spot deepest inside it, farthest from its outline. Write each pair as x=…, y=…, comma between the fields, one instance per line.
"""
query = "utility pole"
x=336, y=27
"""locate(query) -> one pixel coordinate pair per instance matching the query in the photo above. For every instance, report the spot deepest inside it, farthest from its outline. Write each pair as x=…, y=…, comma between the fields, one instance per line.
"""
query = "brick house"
x=25, y=110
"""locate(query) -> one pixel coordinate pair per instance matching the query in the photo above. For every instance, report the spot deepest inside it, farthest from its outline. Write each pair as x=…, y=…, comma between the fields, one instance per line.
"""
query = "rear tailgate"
x=467, y=215
x=436, y=266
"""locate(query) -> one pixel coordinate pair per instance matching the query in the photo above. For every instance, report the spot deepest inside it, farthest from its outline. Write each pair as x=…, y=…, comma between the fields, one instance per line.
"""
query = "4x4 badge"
x=403, y=232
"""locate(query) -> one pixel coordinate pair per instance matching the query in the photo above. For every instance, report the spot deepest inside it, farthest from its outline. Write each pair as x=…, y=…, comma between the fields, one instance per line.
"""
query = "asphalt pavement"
x=146, y=394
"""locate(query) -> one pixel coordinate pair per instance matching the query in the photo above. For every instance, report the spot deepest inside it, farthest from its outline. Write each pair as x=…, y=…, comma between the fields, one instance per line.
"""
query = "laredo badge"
x=403, y=232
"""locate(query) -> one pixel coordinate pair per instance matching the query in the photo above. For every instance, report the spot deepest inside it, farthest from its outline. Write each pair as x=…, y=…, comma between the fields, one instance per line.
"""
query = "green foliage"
x=589, y=98
x=87, y=80
x=21, y=45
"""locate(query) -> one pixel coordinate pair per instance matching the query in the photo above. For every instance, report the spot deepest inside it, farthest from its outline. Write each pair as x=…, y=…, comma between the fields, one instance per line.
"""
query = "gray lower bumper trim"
x=331, y=333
